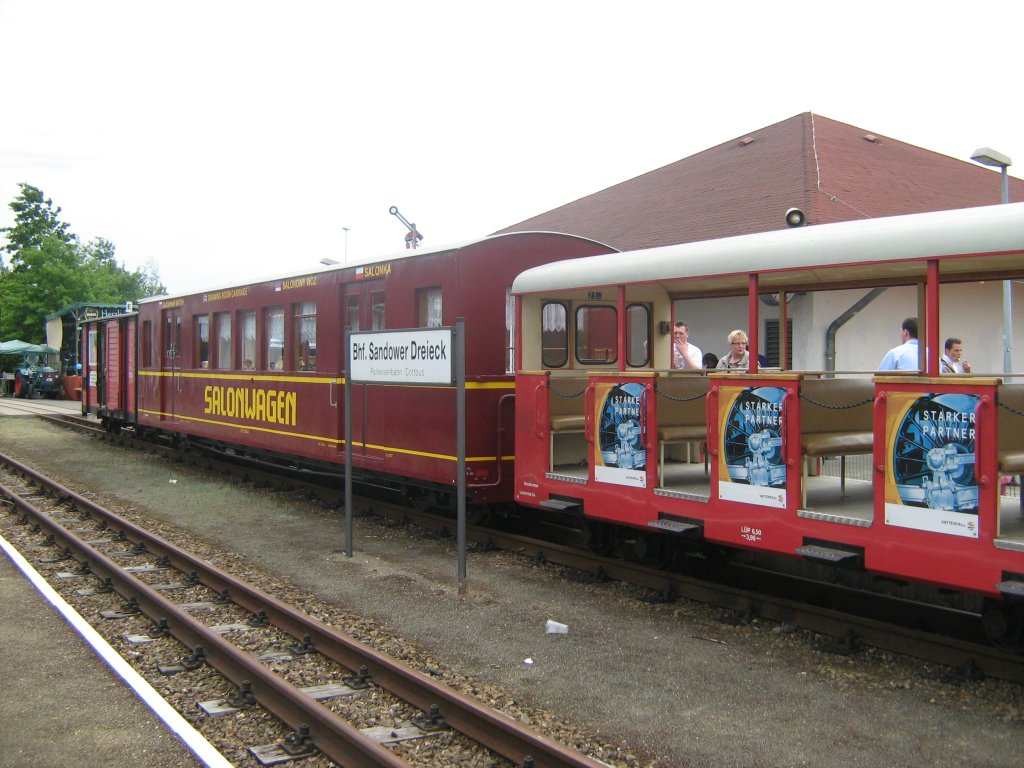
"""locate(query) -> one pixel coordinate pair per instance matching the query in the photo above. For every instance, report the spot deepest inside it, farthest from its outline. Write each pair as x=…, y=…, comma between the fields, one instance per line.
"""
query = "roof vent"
x=745, y=140
x=872, y=138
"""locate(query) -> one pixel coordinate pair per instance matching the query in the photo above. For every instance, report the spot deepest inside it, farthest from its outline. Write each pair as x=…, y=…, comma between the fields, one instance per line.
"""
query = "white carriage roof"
x=873, y=242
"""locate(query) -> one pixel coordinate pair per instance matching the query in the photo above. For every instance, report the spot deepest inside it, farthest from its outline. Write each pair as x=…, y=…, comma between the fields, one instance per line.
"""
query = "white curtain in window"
x=248, y=339
x=434, y=308
x=275, y=337
x=224, y=341
x=554, y=317
x=510, y=331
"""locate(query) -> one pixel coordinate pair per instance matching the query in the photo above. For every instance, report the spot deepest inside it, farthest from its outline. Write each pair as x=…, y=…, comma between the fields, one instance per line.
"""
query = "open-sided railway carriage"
x=257, y=368
x=605, y=429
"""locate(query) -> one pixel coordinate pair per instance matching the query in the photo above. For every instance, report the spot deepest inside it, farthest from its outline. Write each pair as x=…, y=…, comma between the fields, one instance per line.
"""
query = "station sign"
x=418, y=356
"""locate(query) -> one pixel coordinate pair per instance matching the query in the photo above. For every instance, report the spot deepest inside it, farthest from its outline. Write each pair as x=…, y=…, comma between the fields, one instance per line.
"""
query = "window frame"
x=425, y=314
x=201, y=347
x=614, y=348
x=300, y=317
x=646, y=345
x=222, y=358
x=274, y=361
x=544, y=361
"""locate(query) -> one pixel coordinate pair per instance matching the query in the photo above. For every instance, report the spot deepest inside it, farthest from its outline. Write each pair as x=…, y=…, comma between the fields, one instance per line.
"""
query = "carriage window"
x=377, y=311
x=274, y=326
x=222, y=327
x=202, y=359
x=93, y=349
x=637, y=330
x=596, y=335
x=172, y=337
x=429, y=301
x=554, y=335
x=305, y=336
x=147, y=343
x=353, y=313
x=247, y=323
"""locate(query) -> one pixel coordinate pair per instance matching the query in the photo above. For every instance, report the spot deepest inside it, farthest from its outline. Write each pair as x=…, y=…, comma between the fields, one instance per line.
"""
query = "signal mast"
x=412, y=236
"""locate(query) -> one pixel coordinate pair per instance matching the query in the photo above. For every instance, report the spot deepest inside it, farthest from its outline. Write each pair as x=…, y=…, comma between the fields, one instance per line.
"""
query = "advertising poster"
x=620, y=448
x=929, y=464
x=752, y=469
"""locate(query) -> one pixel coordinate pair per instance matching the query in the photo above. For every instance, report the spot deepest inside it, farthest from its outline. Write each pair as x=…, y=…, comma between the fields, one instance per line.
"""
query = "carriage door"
x=98, y=349
x=170, y=368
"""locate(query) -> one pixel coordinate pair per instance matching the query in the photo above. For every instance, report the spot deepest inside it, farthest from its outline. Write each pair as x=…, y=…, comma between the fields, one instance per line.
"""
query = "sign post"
x=348, y=444
x=417, y=356
x=460, y=447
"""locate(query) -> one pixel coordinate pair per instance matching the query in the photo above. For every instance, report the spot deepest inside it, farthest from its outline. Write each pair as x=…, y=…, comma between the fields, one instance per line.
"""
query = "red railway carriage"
x=605, y=429
x=108, y=358
x=258, y=367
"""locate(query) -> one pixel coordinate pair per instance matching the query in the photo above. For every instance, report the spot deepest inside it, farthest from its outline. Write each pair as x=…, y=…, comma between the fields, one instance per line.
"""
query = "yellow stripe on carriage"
x=331, y=440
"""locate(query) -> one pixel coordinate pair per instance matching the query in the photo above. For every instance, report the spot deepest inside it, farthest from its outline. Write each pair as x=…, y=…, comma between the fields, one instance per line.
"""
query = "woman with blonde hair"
x=738, y=356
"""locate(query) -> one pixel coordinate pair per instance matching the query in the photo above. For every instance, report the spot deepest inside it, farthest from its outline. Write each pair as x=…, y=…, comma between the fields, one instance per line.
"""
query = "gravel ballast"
x=670, y=684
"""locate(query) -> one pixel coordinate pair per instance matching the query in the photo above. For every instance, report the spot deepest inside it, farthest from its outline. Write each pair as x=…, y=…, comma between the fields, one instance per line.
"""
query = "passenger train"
x=574, y=407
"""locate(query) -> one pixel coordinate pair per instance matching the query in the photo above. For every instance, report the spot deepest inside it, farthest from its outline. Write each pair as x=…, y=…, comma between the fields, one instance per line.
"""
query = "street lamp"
x=988, y=156
x=346, y=243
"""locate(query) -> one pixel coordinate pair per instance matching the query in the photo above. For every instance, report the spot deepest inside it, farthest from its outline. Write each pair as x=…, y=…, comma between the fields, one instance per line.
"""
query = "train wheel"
x=477, y=514
x=599, y=538
x=422, y=499
x=1004, y=624
x=655, y=550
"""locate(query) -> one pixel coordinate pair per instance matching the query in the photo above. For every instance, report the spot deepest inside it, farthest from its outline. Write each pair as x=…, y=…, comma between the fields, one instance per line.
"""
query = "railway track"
x=852, y=617
x=174, y=600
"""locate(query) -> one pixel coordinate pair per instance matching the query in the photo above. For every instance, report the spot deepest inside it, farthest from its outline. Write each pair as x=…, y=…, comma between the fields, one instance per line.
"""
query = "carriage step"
x=674, y=526
x=826, y=554
x=1014, y=589
x=559, y=504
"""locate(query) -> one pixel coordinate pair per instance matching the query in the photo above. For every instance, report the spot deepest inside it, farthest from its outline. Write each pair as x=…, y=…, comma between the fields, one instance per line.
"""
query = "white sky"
x=229, y=140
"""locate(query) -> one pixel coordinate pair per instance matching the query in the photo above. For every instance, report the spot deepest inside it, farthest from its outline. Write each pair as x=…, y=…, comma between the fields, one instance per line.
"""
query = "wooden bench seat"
x=682, y=414
x=835, y=420
x=565, y=410
x=1010, y=453
x=568, y=423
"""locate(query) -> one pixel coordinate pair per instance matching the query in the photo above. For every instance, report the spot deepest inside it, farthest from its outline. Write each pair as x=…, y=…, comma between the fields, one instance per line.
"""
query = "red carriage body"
x=604, y=428
x=259, y=367
x=108, y=357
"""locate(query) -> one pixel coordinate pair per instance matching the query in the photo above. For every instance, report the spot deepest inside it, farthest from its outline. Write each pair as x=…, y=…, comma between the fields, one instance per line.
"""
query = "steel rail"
x=331, y=735
x=489, y=727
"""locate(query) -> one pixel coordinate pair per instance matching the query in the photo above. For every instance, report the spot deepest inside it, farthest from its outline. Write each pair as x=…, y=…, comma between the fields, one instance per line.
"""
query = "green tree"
x=34, y=221
x=44, y=280
x=50, y=269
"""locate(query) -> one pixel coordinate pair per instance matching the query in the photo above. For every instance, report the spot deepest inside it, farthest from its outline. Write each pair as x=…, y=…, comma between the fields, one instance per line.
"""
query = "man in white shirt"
x=685, y=354
x=905, y=357
x=951, y=362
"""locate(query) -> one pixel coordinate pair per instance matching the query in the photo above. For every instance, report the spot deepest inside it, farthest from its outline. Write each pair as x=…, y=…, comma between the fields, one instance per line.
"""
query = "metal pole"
x=348, y=443
x=460, y=444
x=1007, y=297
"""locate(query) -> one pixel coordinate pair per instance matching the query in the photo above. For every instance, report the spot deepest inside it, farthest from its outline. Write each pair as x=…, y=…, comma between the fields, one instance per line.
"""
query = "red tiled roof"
x=830, y=170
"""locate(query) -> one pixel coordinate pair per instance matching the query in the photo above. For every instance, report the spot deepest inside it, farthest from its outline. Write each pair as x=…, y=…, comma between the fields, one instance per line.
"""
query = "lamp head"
x=988, y=156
